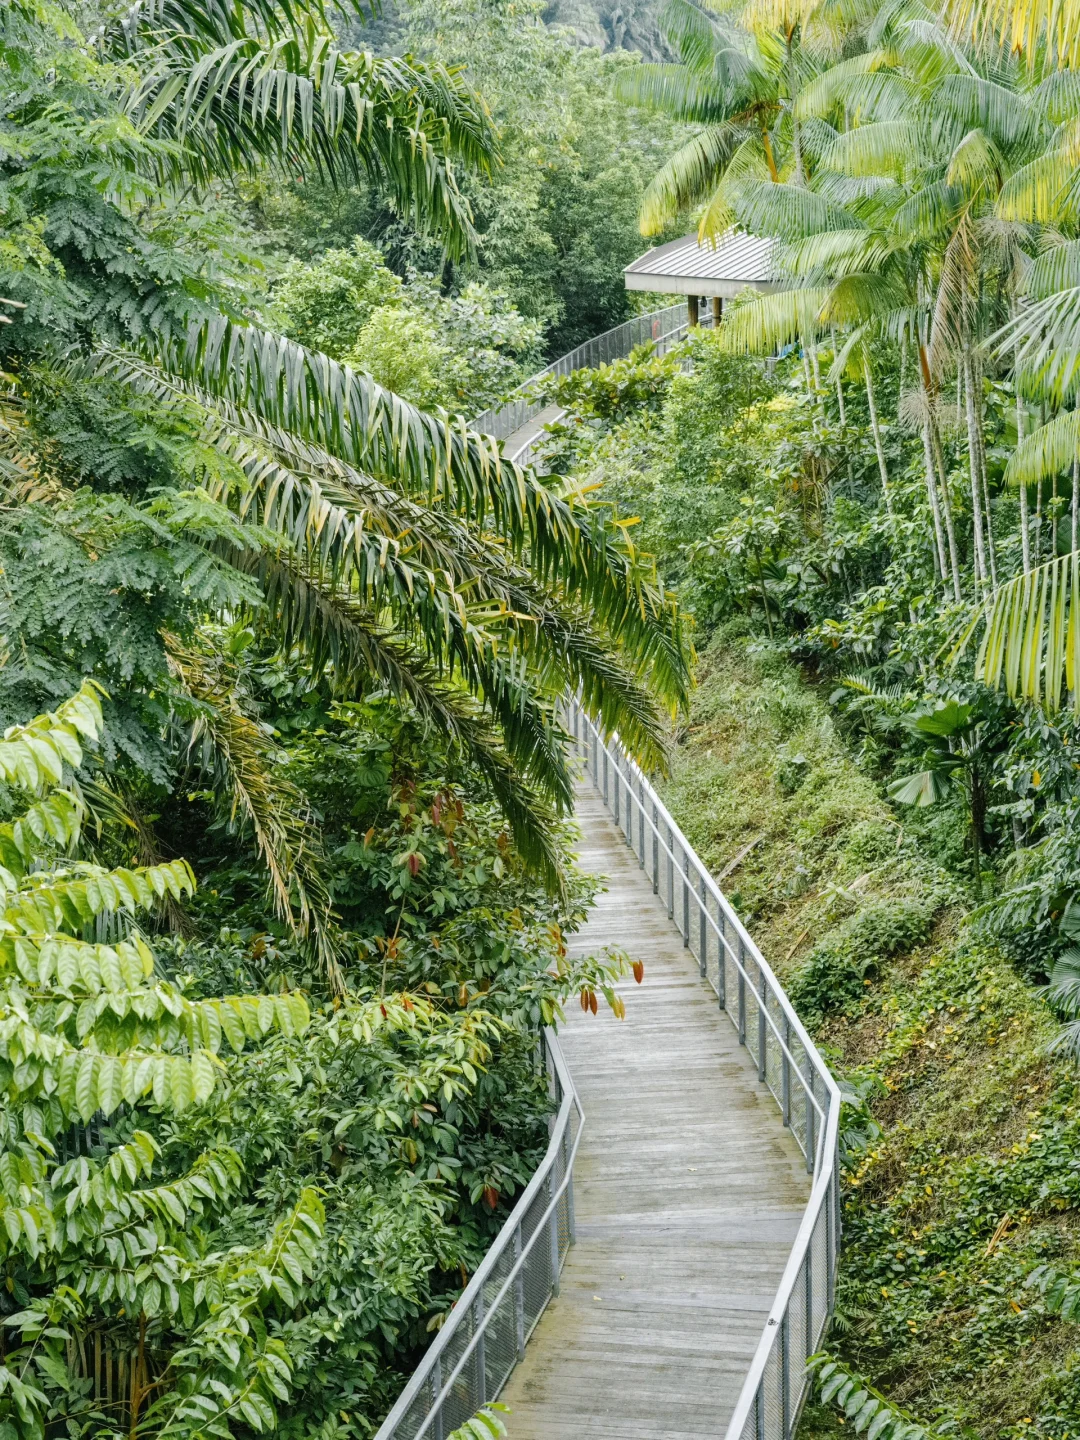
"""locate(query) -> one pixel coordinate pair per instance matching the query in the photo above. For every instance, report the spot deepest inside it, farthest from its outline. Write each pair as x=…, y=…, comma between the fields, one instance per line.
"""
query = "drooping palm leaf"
x=1031, y=638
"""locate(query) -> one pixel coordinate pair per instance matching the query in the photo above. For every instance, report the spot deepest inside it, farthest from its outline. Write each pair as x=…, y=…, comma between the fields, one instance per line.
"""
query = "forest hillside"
x=287, y=853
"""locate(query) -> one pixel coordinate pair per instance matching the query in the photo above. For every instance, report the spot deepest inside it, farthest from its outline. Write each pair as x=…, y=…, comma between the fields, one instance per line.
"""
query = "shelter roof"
x=683, y=267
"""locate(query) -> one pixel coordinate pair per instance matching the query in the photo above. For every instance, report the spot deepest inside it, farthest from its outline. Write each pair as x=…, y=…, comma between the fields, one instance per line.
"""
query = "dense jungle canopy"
x=286, y=849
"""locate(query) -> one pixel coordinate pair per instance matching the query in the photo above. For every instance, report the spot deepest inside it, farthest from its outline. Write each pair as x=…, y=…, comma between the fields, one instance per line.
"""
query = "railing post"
x=742, y=993
x=481, y=1350
x=655, y=851
x=721, y=955
x=615, y=779
x=553, y=1226
x=703, y=928
x=685, y=898
x=759, y=1412
x=785, y=1074
x=809, y=1292
x=670, y=872
x=519, y=1297
x=436, y=1386
x=568, y=1193
x=762, y=1002
x=641, y=821
x=833, y=1233
x=595, y=758
x=785, y=1376
x=811, y=1116
x=603, y=751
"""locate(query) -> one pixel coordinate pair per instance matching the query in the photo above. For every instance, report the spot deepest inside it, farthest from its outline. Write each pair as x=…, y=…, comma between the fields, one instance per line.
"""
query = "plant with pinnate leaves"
x=92, y=1035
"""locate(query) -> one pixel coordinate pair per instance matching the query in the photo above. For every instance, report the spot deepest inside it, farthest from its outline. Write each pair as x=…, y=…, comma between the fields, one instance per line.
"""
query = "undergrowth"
x=961, y=1144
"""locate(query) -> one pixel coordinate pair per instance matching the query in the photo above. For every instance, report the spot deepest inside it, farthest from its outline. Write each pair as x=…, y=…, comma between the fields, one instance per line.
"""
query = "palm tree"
x=896, y=231
x=736, y=83
x=385, y=543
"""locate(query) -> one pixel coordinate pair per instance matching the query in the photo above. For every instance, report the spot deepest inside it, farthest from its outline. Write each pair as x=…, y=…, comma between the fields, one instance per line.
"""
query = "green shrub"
x=836, y=970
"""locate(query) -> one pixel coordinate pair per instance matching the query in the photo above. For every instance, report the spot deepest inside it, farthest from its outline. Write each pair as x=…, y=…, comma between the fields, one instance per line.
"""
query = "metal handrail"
x=521, y=406
x=484, y=1336
x=788, y=1062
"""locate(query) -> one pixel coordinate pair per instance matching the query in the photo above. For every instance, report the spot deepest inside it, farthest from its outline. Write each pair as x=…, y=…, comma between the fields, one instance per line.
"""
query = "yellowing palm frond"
x=1027, y=27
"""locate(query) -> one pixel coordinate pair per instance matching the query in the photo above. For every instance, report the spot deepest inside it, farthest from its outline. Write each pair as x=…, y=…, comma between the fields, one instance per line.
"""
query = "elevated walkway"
x=688, y=1193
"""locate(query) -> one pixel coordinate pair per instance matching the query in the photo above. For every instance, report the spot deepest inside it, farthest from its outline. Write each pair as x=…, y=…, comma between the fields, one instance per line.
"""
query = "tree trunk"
x=940, y=565
x=1025, y=531
x=839, y=388
x=981, y=571
x=879, y=451
x=980, y=448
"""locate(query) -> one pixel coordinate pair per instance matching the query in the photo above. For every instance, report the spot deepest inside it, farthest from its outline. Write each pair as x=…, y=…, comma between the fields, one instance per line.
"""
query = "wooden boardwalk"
x=688, y=1194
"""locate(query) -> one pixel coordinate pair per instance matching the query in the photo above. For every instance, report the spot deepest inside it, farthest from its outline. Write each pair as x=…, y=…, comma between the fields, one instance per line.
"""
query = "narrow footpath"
x=688, y=1194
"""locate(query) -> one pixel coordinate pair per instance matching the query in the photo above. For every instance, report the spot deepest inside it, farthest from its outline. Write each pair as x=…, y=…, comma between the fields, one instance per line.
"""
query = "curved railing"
x=663, y=327
x=787, y=1062
x=485, y=1334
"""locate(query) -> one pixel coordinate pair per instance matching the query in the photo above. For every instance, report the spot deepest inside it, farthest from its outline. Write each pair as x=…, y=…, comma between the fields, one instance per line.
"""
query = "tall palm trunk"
x=975, y=377
x=940, y=563
x=936, y=459
x=981, y=571
x=1025, y=528
x=882, y=467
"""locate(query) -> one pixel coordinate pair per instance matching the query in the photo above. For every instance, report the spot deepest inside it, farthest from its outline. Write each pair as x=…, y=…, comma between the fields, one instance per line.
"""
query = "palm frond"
x=835, y=252
x=884, y=147
x=997, y=109
x=678, y=91
x=1044, y=338
x=762, y=325
x=928, y=212
x=855, y=299
x=326, y=620
x=424, y=558
x=865, y=88
x=1044, y=189
x=1057, y=268
x=1032, y=634
x=352, y=117
x=1027, y=27
x=976, y=165
x=1050, y=450
x=240, y=754
x=788, y=212
x=691, y=175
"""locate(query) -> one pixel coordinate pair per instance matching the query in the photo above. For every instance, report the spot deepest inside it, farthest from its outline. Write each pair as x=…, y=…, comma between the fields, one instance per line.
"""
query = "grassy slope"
x=975, y=1176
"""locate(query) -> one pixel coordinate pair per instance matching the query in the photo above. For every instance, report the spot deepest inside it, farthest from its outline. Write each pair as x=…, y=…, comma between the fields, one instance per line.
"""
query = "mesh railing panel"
x=484, y=1336
x=662, y=327
x=786, y=1060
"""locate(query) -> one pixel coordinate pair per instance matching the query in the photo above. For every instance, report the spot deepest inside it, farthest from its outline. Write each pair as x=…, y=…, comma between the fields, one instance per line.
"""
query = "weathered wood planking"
x=688, y=1194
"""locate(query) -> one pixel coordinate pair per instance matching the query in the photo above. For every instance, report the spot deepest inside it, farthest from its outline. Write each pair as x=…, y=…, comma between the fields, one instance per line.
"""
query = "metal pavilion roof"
x=683, y=267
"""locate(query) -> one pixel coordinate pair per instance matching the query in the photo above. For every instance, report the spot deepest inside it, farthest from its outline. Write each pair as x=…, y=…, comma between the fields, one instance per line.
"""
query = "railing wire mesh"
x=486, y=1332
x=662, y=327
x=787, y=1062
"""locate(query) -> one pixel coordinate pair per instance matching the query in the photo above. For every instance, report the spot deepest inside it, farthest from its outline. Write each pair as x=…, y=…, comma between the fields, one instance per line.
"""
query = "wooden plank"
x=688, y=1194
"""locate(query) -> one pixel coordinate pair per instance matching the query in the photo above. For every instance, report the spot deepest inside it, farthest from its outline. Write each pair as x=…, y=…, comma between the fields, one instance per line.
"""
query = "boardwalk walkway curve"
x=475, y=1354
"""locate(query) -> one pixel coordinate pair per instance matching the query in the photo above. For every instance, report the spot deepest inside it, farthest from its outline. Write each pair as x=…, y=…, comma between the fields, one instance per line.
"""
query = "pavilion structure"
x=707, y=272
